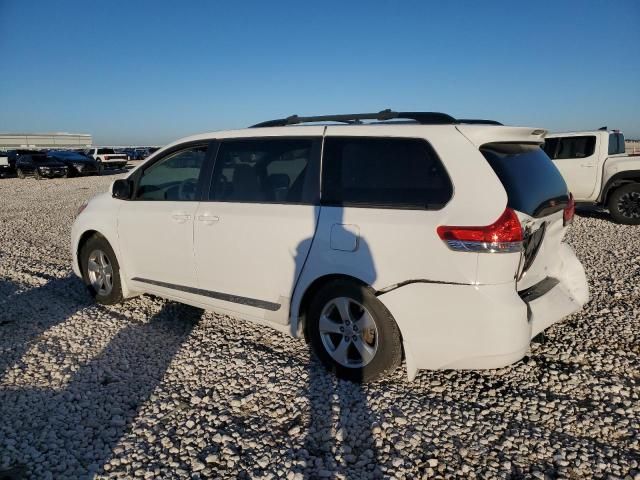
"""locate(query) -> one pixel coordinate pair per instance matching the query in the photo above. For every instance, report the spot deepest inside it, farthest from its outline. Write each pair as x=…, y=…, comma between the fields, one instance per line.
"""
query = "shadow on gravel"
x=345, y=446
x=76, y=429
x=593, y=212
x=24, y=316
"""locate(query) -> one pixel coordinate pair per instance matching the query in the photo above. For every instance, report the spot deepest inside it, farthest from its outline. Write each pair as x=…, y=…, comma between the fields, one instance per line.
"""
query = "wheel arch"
x=299, y=312
x=617, y=180
x=83, y=239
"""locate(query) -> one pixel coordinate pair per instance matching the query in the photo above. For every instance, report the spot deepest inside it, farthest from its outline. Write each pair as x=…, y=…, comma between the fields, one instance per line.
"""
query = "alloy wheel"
x=348, y=332
x=629, y=205
x=100, y=272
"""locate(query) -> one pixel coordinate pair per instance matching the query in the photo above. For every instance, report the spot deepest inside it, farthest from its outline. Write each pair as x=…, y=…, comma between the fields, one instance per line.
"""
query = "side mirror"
x=121, y=189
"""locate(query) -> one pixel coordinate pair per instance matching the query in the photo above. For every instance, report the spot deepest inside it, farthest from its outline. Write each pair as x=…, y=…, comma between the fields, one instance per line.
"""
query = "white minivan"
x=376, y=237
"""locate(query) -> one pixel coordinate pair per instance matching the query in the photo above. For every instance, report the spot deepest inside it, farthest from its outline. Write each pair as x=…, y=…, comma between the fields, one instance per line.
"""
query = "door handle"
x=181, y=217
x=208, y=219
x=586, y=165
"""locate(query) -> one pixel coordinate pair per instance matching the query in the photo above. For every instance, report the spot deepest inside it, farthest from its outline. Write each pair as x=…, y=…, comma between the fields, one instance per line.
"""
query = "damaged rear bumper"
x=482, y=326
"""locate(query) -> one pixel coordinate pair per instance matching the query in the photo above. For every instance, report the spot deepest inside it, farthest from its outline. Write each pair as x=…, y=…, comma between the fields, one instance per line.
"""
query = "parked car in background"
x=5, y=167
x=12, y=157
x=40, y=166
x=76, y=163
x=598, y=171
x=350, y=236
x=107, y=157
x=150, y=151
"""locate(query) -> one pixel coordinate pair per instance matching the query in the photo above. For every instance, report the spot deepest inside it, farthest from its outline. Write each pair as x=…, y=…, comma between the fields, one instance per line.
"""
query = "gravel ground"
x=151, y=389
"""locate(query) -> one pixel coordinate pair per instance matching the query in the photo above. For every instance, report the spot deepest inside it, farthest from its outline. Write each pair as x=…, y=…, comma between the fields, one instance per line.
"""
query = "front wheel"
x=37, y=175
x=21, y=174
x=352, y=332
x=101, y=271
x=624, y=204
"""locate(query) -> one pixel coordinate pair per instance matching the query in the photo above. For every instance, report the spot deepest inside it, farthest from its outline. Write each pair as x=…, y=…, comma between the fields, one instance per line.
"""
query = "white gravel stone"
x=152, y=389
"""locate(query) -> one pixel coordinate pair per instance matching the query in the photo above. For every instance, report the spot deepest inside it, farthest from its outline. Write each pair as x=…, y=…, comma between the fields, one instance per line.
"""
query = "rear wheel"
x=37, y=175
x=20, y=173
x=624, y=204
x=101, y=271
x=352, y=332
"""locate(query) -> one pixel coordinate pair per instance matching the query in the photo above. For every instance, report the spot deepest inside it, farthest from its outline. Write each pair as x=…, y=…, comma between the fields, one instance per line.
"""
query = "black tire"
x=37, y=175
x=624, y=204
x=99, y=243
x=20, y=174
x=388, y=354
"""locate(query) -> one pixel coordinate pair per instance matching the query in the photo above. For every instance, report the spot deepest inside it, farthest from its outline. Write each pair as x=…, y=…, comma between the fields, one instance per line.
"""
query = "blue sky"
x=153, y=71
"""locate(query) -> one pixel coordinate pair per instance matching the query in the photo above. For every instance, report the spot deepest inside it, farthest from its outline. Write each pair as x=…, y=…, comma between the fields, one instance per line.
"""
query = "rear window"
x=616, y=143
x=565, y=148
x=533, y=183
x=106, y=151
x=383, y=173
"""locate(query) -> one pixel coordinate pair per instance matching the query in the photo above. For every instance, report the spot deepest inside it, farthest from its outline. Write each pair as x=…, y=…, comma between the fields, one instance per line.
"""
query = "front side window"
x=565, y=148
x=278, y=170
x=174, y=177
x=383, y=173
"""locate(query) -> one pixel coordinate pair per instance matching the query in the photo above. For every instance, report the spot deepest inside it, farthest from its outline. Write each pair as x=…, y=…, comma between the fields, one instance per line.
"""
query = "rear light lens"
x=569, y=211
x=502, y=236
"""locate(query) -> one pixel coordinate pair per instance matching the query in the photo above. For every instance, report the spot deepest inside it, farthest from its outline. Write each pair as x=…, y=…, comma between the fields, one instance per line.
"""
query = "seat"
x=245, y=184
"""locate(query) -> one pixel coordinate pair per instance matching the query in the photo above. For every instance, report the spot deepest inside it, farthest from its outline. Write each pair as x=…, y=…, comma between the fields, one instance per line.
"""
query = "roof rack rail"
x=428, y=118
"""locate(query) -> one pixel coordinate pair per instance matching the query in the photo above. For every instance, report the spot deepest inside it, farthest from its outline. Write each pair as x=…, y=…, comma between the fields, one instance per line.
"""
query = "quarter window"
x=265, y=171
x=383, y=172
x=616, y=143
x=174, y=177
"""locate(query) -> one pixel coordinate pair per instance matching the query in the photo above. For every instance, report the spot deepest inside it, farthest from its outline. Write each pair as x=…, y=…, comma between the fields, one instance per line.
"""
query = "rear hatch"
x=538, y=194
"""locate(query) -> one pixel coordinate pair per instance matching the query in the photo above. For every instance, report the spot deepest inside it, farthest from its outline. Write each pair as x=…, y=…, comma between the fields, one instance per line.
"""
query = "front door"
x=253, y=234
x=155, y=228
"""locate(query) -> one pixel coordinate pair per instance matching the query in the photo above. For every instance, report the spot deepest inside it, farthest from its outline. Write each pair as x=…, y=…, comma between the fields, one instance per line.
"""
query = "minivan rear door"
x=539, y=195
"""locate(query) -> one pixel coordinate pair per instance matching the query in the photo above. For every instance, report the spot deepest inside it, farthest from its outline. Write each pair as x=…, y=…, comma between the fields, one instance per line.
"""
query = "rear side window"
x=565, y=148
x=616, y=143
x=533, y=183
x=383, y=173
x=276, y=170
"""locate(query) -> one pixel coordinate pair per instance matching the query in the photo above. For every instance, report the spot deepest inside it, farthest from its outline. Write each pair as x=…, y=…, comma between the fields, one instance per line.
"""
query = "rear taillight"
x=569, y=211
x=502, y=236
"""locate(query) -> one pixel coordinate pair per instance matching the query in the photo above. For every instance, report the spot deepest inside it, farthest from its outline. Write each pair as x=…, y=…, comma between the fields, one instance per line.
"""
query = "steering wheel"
x=187, y=190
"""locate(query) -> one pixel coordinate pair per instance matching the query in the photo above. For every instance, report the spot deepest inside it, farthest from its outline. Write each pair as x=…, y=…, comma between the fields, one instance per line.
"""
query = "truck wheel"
x=352, y=332
x=624, y=204
x=20, y=174
x=37, y=175
x=101, y=271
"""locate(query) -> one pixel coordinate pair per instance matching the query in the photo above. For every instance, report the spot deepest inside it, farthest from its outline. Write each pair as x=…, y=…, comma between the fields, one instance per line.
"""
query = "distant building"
x=10, y=141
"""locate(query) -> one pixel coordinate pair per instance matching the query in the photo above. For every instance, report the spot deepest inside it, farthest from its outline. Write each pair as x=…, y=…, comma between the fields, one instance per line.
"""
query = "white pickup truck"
x=598, y=171
x=107, y=157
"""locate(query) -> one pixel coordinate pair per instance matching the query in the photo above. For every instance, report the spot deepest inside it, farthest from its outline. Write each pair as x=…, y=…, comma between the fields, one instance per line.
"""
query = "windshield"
x=533, y=183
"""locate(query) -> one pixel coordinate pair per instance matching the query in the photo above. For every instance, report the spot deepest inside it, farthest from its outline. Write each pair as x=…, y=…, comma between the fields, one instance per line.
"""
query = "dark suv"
x=40, y=166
